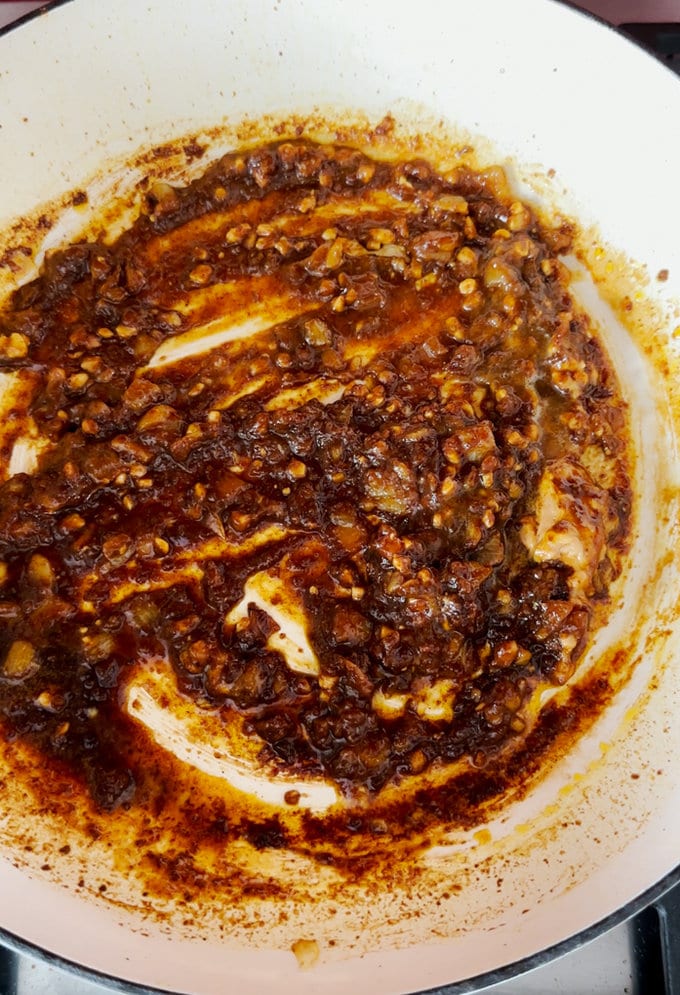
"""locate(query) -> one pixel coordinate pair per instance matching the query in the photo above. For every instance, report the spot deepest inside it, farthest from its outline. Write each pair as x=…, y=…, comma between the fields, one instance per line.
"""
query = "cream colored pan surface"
x=587, y=125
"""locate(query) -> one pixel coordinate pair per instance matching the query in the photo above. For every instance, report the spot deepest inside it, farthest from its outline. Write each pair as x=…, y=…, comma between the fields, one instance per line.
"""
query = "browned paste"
x=416, y=442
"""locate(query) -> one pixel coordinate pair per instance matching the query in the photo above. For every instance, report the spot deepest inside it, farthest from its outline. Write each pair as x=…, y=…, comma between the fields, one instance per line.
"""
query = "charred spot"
x=267, y=835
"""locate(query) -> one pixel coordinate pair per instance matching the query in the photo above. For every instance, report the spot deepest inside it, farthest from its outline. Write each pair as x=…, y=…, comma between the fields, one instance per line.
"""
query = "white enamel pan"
x=587, y=124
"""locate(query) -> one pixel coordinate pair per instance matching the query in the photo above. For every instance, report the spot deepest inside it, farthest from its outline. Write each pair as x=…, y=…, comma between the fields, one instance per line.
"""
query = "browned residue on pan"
x=187, y=845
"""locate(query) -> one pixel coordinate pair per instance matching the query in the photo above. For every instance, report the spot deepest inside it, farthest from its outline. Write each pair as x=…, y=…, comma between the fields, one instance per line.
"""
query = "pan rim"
x=478, y=983
x=23, y=947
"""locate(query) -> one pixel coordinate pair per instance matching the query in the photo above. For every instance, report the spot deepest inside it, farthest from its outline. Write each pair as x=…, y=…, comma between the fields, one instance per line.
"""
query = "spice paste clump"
x=327, y=443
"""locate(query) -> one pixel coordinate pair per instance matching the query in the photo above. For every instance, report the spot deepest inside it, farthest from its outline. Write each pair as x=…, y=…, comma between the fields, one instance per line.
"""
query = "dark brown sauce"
x=437, y=310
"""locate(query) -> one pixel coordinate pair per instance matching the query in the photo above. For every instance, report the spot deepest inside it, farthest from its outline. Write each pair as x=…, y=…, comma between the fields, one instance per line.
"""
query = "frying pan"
x=588, y=125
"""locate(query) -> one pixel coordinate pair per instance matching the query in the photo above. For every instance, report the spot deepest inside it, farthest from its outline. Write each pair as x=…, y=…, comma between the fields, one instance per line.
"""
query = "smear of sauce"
x=317, y=487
